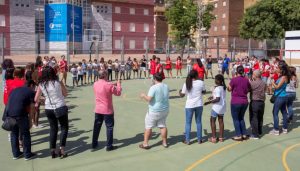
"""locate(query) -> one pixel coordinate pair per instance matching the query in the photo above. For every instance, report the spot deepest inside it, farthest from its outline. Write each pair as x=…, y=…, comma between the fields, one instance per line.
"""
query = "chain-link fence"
x=24, y=47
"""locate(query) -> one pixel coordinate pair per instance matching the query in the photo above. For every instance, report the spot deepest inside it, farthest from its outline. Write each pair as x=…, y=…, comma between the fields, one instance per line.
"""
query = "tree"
x=182, y=15
x=269, y=19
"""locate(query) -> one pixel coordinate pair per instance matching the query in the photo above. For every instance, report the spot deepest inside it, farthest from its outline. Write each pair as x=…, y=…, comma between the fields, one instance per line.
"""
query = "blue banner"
x=59, y=23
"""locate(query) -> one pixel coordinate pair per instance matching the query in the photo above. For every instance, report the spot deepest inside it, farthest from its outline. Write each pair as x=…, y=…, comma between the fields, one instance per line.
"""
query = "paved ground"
x=265, y=154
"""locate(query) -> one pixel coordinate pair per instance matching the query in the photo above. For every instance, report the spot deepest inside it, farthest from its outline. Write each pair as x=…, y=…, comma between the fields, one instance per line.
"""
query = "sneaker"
x=19, y=156
x=284, y=131
x=274, y=132
x=32, y=155
x=252, y=137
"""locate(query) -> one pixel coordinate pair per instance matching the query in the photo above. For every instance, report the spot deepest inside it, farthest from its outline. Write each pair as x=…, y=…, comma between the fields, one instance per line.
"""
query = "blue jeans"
x=109, y=122
x=291, y=98
x=280, y=105
x=22, y=128
x=188, y=122
x=238, y=113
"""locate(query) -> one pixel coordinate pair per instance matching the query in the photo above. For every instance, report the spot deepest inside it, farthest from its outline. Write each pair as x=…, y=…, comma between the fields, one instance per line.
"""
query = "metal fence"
x=24, y=47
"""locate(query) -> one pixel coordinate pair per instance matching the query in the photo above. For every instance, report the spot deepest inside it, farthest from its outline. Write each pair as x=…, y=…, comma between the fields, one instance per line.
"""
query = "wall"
x=4, y=10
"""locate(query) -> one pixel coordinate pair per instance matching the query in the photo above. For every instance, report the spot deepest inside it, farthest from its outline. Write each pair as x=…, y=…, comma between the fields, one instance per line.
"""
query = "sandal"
x=221, y=139
x=185, y=142
x=212, y=140
x=144, y=147
x=245, y=137
x=237, y=138
x=165, y=145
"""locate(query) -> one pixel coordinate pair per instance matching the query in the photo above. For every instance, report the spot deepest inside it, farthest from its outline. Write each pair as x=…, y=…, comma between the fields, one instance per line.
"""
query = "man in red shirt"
x=159, y=68
x=18, y=81
x=63, y=68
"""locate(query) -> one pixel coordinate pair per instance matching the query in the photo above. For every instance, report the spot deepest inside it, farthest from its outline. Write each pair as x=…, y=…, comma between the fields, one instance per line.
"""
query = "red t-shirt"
x=200, y=71
x=153, y=67
x=256, y=66
x=10, y=86
x=266, y=70
x=178, y=64
x=160, y=69
x=63, y=66
x=168, y=64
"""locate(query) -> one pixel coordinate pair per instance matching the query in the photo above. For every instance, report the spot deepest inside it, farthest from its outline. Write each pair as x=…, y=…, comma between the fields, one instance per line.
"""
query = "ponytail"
x=189, y=80
x=221, y=80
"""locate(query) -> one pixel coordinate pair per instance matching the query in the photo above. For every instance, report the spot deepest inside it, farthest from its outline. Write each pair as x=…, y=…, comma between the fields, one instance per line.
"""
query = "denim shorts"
x=215, y=114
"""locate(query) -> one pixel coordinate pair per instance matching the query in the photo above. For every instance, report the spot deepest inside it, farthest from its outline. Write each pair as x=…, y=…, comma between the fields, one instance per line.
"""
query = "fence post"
x=68, y=50
x=249, y=48
x=188, y=45
x=234, y=44
x=265, y=48
x=147, y=48
x=168, y=48
x=218, y=47
x=2, y=47
x=97, y=49
x=122, y=49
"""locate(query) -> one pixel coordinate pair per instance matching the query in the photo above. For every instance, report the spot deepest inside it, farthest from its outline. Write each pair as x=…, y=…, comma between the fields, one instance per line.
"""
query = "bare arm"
x=282, y=81
x=37, y=96
x=181, y=94
x=145, y=97
x=64, y=89
x=229, y=88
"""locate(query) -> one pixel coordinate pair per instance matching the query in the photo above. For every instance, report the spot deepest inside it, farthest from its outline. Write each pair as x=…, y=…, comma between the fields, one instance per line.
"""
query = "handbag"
x=59, y=112
x=9, y=123
x=273, y=98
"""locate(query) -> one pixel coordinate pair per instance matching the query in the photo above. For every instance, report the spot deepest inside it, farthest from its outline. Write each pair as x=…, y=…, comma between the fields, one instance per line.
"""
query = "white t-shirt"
x=80, y=70
x=194, y=96
x=55, y=93
x=74, y=72
x=203, y=61
x=219, y=107
x=220, y=63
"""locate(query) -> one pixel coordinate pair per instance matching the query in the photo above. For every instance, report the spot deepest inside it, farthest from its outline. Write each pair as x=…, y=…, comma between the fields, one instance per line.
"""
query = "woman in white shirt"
x=194, y=89
x=55, y=109
x=218, y=99
x=291, y=93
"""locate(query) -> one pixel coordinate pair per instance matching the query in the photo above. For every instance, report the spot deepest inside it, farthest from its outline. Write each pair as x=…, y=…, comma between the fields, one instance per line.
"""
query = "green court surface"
x=274, y=153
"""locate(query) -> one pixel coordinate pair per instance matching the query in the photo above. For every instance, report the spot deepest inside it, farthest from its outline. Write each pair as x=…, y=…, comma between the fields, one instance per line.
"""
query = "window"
x=2, y=2
x=224, y=15
x=118, y=10
x=2, y=20
x=132, y=44
x=215, y=40
x=117, y=26
x=146, y=12
x=146, y=28
x=215, y=28
x=132, y=27
x=223, y=28
x=145, y=44
x=132, y=11
x=216, y=5
x=224, y=3
x=117, y=44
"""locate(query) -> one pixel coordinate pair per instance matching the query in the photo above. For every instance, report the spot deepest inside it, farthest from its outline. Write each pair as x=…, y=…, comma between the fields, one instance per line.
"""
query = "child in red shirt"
x=178, y=66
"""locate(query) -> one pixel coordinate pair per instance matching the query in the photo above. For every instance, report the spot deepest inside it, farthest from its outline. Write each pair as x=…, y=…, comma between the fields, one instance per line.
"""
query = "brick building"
x=161, y=26
x=4, y=27
x=127, y=24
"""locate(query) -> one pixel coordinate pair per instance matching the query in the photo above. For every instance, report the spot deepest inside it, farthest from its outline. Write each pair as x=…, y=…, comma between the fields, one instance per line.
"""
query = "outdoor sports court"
x=269, y=153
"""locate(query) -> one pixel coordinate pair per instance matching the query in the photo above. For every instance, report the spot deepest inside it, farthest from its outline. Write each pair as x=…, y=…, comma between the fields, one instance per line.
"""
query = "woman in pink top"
x=104, y=110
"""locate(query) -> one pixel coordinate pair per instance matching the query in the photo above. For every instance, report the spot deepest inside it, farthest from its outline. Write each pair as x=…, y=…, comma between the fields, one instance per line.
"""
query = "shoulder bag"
x=59, y=112
x=273, y=98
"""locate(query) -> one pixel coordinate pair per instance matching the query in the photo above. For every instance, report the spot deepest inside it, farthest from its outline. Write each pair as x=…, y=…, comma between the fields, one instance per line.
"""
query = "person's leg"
x=198, y=118
x=109, y=122
x=254, y=114
x=242, y=120
x=14, y=140
x=147, y=135
x=235, y=110
x=291, y=97
x=171, y=73
x=53, y=128
x=97, y=127
x=188, y=123
x=276, y=109
x=211, y=73
x=64, y=126
x=24, y=128
x=164, y=135
x=221, y=127
x=213, y=127
x=284, y=113
x=261, y=117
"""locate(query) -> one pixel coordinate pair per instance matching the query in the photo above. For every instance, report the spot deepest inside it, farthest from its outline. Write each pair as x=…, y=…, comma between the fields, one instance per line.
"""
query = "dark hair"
x=7, y=63
x=199, y=62
x=38, y=62
x=19, y=72
x=179, y=58
x=158, y=77
x=189, y=80
x=30, y=66
x=30, y=83
x=240, y=70
x=221, y=80
x=293, y=71
x=285, y=71
x=9, y=74
x=48, y=74
x=158, y=59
